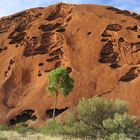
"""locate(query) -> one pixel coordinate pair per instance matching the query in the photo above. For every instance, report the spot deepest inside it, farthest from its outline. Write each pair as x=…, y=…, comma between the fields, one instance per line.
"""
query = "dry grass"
x=11, y=135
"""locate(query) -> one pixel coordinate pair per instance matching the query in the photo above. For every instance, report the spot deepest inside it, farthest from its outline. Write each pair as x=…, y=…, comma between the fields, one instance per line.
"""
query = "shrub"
x=120, y=124
x=4, y=128
x=116, y=136
x=51, y=128
x=96, y=117
x=22, y=128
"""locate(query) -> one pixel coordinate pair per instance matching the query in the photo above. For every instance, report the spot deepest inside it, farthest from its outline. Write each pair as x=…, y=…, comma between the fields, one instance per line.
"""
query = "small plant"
x=59, y=81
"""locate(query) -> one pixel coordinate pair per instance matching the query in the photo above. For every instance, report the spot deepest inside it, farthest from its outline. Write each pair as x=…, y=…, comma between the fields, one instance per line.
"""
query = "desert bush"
x=120, y=124
x=22, y=128
x=96, y=117
x=4, y=128
x=52, y=128
x=118, y=136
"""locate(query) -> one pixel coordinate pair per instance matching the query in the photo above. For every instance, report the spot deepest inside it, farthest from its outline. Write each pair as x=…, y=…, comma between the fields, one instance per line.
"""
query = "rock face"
x=99, y=45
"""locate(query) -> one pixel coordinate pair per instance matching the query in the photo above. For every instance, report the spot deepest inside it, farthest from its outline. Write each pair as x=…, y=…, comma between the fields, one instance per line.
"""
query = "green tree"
x=59, y=81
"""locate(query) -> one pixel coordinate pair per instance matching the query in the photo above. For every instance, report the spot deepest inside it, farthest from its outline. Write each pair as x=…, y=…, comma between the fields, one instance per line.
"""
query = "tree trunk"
x=55, y=102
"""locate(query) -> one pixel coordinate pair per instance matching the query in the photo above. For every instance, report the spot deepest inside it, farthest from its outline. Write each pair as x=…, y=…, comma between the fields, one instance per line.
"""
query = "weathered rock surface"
x=99, y=45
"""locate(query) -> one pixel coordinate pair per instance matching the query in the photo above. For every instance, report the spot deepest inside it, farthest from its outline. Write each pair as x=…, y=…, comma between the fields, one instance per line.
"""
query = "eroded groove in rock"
x=106, y=34
x=114, y=27
x=53, y=59
x=118, y=50
x=44, y=44
x=56, y=52
x=48, y=27
x=135, y=47
x=22, y=18
x=22, y=26
x=49, y=112
x=39, y=73
x=16, y=37
x=107, y=54
x=57, y=64
x=62, y=10
x=40, y=64
x=125, y=12
x=61, y=29
x=135, y=28
x=23, y=117
x=132, y=74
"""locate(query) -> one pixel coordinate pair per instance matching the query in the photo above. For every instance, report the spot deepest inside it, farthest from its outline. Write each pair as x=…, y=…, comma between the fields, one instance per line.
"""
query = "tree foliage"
x=59, y=81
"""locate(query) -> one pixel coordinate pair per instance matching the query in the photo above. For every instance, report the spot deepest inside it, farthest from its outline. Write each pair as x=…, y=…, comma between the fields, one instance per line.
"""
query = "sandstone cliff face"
x=100, y=46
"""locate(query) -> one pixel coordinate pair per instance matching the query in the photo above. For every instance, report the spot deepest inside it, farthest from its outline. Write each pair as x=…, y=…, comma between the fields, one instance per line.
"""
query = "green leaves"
x=119, y=123
x=59, y=81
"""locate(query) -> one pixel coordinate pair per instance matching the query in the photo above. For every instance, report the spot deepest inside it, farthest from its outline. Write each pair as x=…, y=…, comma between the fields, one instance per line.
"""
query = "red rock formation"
x=99, y=45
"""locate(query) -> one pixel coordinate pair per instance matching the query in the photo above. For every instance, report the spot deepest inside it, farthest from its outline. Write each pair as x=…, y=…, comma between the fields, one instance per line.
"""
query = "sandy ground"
x=10, y=135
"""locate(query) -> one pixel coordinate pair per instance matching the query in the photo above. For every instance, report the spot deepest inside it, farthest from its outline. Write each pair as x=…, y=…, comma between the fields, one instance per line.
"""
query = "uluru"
x=99, y=45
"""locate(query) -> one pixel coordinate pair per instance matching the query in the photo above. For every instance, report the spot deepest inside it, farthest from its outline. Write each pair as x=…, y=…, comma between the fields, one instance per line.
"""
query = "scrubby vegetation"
x=53, y=128
x=93, y=118
x=20, y=128
x=97, y=118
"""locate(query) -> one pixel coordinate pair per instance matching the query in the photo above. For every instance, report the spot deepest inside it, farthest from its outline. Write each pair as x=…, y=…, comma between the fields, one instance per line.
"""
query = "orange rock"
x=93, y=42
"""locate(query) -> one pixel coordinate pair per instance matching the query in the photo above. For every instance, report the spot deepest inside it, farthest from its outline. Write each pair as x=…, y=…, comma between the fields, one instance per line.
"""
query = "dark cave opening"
x=23, y=117
x=49, y=112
